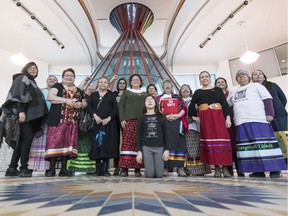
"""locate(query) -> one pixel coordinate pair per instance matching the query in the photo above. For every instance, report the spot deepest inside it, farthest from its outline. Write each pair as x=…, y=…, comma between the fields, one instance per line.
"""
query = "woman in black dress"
x=102, y=106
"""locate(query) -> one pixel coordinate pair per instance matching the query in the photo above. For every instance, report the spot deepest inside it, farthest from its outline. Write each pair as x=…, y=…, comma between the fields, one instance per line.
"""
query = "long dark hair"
x=25, y=70
x=121, y=79
x=130, y=79
x=219, y=78
x=266, y=83
x=156, y=108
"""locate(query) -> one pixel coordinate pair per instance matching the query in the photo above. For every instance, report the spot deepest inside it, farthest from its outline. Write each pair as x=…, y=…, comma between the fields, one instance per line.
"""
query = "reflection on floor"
x=87, y=195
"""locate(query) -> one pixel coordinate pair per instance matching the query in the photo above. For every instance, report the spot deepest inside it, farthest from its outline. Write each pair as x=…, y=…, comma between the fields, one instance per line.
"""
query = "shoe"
x=217, y=172
x=65, y=172
x=107, y=174
x=257, y=175
x=25, y=173
x=96, y=173
x=239, y=174
x=124, y=172
x=225, y=171
x=50, y=173
x=116, y=172
x=181, y=172
x=165, y=172
x=12, y=172
x=276, y=174
x=138, y=173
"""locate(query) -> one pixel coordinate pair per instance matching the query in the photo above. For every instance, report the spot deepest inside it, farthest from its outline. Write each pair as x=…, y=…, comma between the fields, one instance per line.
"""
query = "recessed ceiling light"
x=283, y=60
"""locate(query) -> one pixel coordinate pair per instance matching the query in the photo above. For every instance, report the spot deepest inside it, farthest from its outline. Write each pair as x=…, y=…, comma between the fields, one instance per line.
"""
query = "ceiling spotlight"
x=210, y=36
x=201, y=46
x=245, y=2
x=44, y=28
x=219, y=27
x=32, y=16
x=18, y=3
x=53, y=37
x=61, y=46
x=231, y=15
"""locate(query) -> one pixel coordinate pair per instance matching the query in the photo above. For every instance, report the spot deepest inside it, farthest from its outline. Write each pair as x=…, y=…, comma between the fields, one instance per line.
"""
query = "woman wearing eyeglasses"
x=62, y=135
x=130, y=109
x=24, y=100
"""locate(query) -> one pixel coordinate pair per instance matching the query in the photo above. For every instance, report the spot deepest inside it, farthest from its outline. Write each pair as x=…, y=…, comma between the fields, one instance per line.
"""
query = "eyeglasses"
x=135, y=79
x=68, y=76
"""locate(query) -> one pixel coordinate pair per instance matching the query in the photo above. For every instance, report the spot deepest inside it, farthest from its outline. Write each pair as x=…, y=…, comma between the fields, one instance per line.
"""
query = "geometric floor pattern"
x=84, y=195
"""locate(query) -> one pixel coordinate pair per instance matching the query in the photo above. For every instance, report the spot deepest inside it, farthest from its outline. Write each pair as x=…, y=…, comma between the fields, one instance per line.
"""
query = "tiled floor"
x=192, y=196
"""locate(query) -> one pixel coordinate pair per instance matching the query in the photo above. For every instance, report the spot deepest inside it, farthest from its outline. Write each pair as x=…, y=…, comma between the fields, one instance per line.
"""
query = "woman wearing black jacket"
x=24, y=100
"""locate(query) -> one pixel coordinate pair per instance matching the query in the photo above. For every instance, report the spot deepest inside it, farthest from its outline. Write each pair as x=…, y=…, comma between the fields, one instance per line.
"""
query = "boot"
x=12, y=172
x=181, y=172
x=51, y=172
x=117, y=169
x=104, y=167
x=137, y=173
x=64, y=171
x=98, y=169
x=217, y=172
x=124, y=172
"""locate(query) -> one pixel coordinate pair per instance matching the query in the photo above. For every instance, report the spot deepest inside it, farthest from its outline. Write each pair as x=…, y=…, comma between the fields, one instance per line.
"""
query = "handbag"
x=86, y=123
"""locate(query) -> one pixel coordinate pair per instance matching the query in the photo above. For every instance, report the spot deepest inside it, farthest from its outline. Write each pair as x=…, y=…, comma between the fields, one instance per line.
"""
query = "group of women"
x=188, y=131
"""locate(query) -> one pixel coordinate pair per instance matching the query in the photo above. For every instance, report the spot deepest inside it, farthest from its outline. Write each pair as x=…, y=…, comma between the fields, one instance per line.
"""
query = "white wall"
x=7, y=69
x=194, y=69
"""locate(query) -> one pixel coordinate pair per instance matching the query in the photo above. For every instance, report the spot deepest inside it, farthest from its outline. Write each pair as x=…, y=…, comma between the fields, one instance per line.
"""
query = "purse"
x=86, y=123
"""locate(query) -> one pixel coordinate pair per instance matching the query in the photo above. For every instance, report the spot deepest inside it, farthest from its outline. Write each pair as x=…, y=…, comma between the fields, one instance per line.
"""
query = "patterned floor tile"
x=87, y=195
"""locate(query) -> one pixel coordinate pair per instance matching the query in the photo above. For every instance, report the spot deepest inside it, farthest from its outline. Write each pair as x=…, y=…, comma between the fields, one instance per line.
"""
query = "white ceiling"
x=265, y=26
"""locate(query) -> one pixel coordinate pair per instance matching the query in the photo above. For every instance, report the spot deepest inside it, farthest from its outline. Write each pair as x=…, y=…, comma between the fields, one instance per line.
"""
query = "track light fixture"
x=220, y=26
x=44, y=27
x=32, y=16
x=18, y=3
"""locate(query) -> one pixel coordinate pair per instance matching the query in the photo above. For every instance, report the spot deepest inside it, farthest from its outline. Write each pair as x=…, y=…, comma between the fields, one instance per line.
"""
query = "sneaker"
x=12, y=172
x=25, y=173
x=257, y=175
x=276, y=174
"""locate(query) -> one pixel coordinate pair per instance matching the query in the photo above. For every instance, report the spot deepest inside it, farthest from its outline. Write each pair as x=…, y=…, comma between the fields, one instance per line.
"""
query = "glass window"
x=281, y=54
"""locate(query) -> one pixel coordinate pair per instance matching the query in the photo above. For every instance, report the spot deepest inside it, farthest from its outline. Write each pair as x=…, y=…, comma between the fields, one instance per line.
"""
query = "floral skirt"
x=62, y=140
